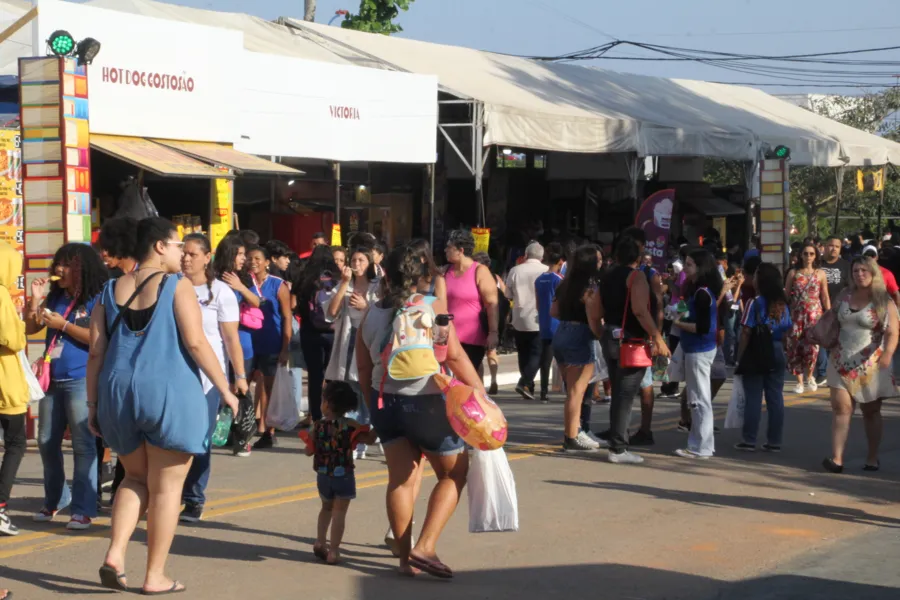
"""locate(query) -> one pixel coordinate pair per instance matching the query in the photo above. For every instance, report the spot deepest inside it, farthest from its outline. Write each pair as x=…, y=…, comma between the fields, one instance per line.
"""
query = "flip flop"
x=112, y=579
x=435, y=568
x=320, y=553
x=8, y=596
x=874, y=467
x=172, y=590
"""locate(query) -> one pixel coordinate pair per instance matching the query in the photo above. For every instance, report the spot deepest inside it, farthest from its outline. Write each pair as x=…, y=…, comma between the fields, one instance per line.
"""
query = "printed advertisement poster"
x=11, y=212
x=655, y=218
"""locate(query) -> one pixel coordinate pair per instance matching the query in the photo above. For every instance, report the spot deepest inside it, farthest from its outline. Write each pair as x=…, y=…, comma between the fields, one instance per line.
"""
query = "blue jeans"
x=773, y=387
x=65, y=405
x=821, y=363
x=730, y=346
x=194, y=491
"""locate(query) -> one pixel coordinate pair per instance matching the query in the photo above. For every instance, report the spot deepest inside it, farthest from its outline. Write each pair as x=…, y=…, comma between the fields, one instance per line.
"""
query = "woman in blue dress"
x=272, y=342
x=146, y=398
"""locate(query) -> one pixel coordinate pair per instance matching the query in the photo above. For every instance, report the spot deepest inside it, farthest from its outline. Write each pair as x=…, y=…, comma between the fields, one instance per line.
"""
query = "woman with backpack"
x=316, y=332
x=410, y=419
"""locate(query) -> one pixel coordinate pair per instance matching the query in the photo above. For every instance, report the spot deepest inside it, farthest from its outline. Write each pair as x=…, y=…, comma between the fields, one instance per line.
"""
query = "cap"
x=870, y=248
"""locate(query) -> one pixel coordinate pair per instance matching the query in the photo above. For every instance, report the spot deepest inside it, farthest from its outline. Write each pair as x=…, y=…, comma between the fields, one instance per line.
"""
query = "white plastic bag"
x=284, y=411
x=675, y=372
x=734, y=418
x=601, y=371
x=299, y=398
x=492, y=492
x=34, y=387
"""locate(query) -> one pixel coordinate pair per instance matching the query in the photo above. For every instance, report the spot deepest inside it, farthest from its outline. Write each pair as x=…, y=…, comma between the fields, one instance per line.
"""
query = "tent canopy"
x=549, y=106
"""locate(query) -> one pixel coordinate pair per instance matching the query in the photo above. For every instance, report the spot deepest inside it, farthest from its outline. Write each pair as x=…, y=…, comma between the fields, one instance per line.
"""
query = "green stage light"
x=782, y=152
x=61, y=43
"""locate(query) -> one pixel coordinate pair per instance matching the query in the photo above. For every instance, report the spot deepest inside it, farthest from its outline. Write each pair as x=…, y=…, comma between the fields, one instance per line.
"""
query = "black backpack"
x=759, y=356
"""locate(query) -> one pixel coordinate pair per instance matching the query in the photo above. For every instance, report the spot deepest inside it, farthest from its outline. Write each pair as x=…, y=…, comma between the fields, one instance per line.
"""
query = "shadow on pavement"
x=621, y=582
x=54, y=583
x=766, y=505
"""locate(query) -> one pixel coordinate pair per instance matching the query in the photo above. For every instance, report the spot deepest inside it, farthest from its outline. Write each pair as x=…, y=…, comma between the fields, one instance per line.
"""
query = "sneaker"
x=545, y=399
x=6, y=524
x=683, y=427
x=822, y=382
x=79, y=523
x=192, y=513
x=625, y=458
x=641, y=438
x=745, y=447
x=44, y=516
x=812, y=386
x=581, y=443
x=391, y=542
x=524, y=392
x=771, y=448
x=265, y=441
x=360, y=454
x=685, y=453
x=601, y=443
x=241, y=450
x=799, y=389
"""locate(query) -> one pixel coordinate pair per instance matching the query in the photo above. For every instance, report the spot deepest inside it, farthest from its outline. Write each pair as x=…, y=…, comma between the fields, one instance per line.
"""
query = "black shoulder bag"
x=759, y=356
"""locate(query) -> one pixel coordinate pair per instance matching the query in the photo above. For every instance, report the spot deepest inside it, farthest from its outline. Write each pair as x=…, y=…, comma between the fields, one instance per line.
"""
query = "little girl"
x=333, y=438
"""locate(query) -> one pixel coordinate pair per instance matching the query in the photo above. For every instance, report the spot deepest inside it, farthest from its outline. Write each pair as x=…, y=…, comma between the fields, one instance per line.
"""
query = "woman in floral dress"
x=807, y=289
x=859, y=367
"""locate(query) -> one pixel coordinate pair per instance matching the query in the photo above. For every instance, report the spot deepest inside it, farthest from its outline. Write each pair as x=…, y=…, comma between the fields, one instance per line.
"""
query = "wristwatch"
x=240, y=377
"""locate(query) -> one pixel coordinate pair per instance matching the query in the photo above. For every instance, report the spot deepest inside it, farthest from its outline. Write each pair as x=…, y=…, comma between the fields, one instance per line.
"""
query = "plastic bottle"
x=441, y=336
x=223, y=427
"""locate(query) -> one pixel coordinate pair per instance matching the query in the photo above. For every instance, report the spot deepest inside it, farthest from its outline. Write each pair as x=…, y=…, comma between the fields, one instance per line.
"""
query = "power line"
x=780, y=32
x=567, y=17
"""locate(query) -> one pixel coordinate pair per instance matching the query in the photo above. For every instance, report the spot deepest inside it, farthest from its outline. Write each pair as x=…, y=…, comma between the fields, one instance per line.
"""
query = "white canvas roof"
x=550, y=106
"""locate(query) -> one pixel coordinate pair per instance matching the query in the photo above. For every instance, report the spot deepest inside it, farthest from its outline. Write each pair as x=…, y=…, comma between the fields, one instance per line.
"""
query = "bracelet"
x=240, y=376
x=63, y=330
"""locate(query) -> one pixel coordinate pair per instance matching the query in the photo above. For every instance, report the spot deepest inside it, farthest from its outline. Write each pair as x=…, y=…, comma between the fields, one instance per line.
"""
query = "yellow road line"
x=50, y=540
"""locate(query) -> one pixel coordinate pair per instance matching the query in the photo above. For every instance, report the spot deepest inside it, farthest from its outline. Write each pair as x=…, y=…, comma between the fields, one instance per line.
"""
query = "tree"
x=377, y=16
x=309, y=13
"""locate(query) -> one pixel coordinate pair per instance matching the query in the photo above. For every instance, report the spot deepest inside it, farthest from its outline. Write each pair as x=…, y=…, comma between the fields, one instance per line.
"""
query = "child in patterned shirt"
x=333, y=438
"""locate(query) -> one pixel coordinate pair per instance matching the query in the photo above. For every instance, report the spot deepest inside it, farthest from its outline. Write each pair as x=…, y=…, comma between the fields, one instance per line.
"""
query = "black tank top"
x=613, y=290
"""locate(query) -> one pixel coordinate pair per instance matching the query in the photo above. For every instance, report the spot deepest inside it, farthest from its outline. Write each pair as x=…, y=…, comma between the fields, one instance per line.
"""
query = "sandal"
x=832, y=467
x=172, y=590
x=875, y=467
x=320, y=553
x=112, y=579
x=435, y=568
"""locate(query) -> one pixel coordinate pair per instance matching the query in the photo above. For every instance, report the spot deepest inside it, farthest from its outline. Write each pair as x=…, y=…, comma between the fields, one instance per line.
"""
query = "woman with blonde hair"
x=859, y=367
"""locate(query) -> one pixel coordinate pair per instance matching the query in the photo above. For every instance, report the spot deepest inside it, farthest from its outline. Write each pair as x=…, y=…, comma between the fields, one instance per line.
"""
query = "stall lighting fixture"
x=290, y=182
x=61, y=43
x=87, y=51
x=507, y=151
x=362, y=187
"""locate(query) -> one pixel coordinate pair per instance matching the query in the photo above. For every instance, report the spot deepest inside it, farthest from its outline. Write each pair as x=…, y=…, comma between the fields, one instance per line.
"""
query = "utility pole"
x=309, y=13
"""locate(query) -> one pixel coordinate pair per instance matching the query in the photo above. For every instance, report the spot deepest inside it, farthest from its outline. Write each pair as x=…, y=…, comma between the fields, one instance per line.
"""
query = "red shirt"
x=890, y=282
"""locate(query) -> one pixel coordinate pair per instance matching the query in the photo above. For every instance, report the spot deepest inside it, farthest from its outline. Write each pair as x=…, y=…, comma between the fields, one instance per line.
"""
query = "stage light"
x=61, y=43
x=87, y=51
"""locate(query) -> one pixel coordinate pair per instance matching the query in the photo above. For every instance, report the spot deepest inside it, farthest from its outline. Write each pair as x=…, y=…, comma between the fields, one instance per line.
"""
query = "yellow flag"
x=870, y=181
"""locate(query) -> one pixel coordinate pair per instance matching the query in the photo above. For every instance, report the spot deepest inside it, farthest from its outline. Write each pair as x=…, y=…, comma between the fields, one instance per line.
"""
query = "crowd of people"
x=218, y=319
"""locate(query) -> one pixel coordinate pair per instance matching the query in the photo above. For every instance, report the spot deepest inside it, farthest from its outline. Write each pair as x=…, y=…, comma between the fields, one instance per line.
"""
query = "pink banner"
x=655, y=218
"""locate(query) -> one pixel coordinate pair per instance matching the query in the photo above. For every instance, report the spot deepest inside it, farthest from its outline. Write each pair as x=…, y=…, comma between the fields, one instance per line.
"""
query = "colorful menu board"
x=221, y=215
x=11, y=213
x=774, y=201
x=77, y=152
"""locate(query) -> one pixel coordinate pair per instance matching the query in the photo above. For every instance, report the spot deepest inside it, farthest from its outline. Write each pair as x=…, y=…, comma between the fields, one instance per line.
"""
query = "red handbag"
x=635, y=353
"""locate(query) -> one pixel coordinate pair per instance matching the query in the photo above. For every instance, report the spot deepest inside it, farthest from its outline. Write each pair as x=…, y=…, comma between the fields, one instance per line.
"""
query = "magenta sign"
x=655, y=218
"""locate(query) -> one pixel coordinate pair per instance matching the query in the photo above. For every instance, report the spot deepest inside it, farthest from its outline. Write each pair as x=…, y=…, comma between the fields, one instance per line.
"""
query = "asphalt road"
x=738, y=527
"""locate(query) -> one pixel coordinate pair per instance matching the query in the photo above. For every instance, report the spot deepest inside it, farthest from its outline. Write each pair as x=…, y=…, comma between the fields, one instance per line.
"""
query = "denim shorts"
x=331, y=487
x=573, y=344
x=267, y=364
x=647, y=381
x=420, y=419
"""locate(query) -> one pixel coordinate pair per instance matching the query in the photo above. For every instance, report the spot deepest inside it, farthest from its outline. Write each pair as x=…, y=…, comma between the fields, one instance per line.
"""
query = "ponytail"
x=209, y=271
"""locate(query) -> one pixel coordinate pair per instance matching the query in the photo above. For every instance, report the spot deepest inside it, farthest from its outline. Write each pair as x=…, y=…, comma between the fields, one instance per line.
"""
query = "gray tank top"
x=375, y=332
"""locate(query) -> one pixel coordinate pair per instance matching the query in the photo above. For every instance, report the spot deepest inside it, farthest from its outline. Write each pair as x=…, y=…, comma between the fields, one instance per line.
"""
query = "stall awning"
x=221, y=154
x=154, y=157
x=712, y=206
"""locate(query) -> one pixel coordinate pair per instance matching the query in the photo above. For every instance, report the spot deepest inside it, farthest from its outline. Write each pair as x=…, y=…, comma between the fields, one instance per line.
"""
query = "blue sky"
x=552, y=27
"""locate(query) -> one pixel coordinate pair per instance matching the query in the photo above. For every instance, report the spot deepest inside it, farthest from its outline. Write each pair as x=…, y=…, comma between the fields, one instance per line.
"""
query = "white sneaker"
x=391, y=542
x=625, y=458
x=685, y=453
x=812, y=386
x=601, y=443
x=587, y=441
x=823, y=382
x=360, y=455
x=799, y=389
x=44, y=516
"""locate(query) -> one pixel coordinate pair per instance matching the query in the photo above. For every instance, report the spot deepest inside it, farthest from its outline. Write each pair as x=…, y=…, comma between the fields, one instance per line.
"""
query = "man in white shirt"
x=520, y=289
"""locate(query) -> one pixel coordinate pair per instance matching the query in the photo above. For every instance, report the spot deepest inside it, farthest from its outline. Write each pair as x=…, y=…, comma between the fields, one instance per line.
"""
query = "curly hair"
x=88, y=272
x=118, y=237
x=402, y=270
x=463, y=240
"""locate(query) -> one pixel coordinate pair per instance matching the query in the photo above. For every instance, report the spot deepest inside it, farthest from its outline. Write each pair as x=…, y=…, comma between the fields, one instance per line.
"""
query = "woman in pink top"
x=471, y=289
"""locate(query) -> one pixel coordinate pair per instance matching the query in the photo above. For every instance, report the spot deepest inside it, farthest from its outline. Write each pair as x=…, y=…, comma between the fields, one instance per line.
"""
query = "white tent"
x=550, y=106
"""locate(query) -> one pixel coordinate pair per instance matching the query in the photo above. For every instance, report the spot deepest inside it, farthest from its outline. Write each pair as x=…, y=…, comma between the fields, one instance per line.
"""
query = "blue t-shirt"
x=244, y=334
x=545, y=289
x=696, y=343
x=757, y=312
x=268, y=340
x=69, y=357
